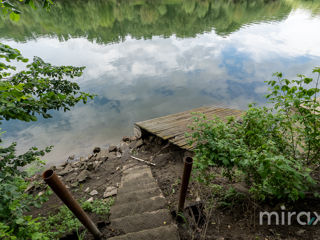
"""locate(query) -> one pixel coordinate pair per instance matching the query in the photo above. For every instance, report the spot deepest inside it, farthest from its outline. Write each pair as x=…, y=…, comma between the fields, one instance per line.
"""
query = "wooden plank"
x=173, y=127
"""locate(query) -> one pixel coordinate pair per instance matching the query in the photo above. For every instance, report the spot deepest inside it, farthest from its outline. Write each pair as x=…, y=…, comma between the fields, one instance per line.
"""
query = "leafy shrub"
x=57, y=225
x=270, y=146
x=14, y=201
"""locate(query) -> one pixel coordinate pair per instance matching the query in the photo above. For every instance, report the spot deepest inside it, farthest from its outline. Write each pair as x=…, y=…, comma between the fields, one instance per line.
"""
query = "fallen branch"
x=144, y=161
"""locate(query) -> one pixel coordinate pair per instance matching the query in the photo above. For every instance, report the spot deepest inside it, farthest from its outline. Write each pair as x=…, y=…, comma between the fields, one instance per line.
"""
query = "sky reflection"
x=140, y=79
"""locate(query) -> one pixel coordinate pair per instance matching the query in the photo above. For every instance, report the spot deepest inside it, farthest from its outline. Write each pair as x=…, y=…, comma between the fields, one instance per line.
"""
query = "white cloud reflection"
x=141, y=79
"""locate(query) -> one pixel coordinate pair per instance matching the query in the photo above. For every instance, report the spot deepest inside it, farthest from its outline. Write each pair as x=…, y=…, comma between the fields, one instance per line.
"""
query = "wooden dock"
x=173, y=127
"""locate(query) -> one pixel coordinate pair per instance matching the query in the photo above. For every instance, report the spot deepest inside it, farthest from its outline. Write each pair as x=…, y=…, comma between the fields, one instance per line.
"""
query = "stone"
x=84, y=175
x=112, y=155
x=104, y=158
x=90, y=199
x=66, y=170
x=93, y=192
x=124, y=148
x=137, y=132
x=90, y=166
x=75, y=184
x=97, y=165
x=113, y=148
x=110, y=191
x=126, y=139
x=96, y=150
x=87, y=189
x=30, y=187
x=138, y=143
x=71, y=158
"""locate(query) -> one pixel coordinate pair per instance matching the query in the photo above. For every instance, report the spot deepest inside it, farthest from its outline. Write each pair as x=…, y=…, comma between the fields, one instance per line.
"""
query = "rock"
x=124, y=148
x=93, y=192
x=70, y=177
x=112, y=155
x=126, y=139
x=138, y=143
x=87, y=189
x=30, y=187
x=60, y=168
x=113, y=148
x=137, y=132
x=96, y=150
x=97, y=165
x=75, y=184
x=84, y=175
x=66, y=170
x=53, y=168
x=90, y=166
x=103, y=159
x=90, y=199
x=71, y=158
x=110, y=191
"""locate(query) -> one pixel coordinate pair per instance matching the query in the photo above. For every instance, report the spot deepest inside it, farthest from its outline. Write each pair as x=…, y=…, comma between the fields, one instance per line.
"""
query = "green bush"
x=271, y=146
x=57, y=225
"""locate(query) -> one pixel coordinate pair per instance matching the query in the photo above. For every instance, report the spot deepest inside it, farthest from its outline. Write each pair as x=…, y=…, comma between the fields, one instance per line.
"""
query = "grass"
x=64, y=221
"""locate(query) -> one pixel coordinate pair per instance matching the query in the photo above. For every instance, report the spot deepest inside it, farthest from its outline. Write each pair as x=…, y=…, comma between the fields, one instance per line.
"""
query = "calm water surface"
x=146, y=59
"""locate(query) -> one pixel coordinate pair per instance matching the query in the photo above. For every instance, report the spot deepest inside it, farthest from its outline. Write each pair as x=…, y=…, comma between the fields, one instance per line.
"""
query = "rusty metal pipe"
x=66, y=197
x=185, y=182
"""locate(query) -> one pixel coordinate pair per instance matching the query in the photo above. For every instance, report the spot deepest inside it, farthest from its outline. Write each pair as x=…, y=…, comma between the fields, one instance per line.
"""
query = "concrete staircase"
x=140, y=211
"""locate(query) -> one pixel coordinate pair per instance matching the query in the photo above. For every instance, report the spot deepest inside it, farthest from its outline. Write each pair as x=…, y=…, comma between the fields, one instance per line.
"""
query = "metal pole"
x=62, y=192
x=185, y=181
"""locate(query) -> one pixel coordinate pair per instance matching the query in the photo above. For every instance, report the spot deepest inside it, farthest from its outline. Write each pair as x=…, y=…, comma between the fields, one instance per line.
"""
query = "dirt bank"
x=230, y=215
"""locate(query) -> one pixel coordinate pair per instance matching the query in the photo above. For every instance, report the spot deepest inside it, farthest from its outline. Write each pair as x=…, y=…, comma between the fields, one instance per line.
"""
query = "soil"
x=237, y=219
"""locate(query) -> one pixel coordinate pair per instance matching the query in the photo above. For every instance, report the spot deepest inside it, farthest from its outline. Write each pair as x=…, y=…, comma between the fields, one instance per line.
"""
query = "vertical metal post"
x=66, y=197
x=185, y=181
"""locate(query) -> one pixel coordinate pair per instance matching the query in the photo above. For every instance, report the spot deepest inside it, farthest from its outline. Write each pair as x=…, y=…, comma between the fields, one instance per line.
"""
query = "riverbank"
x=228, y=214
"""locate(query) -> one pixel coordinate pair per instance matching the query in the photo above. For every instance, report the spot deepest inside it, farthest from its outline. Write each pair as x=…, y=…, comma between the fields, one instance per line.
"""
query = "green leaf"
x=14, y=16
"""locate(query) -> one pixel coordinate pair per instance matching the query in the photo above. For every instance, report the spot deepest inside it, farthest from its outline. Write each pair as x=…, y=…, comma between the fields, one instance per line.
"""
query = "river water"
x=146, y=59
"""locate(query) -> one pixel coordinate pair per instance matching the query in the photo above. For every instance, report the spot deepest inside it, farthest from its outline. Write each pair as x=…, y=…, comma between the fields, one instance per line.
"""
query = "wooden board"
x=173, y=127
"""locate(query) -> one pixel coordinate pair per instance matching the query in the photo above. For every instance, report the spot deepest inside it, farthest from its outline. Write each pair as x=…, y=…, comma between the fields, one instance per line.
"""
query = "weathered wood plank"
x=174, y=126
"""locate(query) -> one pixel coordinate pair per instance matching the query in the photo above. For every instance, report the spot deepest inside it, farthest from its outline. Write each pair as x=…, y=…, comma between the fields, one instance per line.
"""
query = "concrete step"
x=146, y=205
x=161, y=233
x=133, y=187
x=134, y=175
x=138, y=182
x=138, y=195
x=143, y=221
x=131, y=167
x=136, y=171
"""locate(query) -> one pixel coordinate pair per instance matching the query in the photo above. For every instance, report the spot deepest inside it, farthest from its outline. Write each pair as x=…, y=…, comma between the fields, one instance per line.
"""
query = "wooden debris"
x=144, y=161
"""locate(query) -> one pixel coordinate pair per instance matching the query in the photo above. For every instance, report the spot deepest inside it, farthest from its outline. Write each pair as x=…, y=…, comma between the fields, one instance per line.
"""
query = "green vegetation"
x=24, y=95
x=57, y=225
x=274, y=148
x=111, y=21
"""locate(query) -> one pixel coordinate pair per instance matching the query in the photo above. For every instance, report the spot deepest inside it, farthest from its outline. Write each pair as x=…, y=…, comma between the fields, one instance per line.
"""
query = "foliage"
x=11, y=7
x=112, y=21
x=14, y=201
x=38, y=89
x=24, y=95
x=101, y=207
x=64, y=221
x=271, y=146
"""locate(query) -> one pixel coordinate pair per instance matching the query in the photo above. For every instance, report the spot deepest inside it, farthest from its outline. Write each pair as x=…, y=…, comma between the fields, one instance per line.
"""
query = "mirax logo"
x=286, y=218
